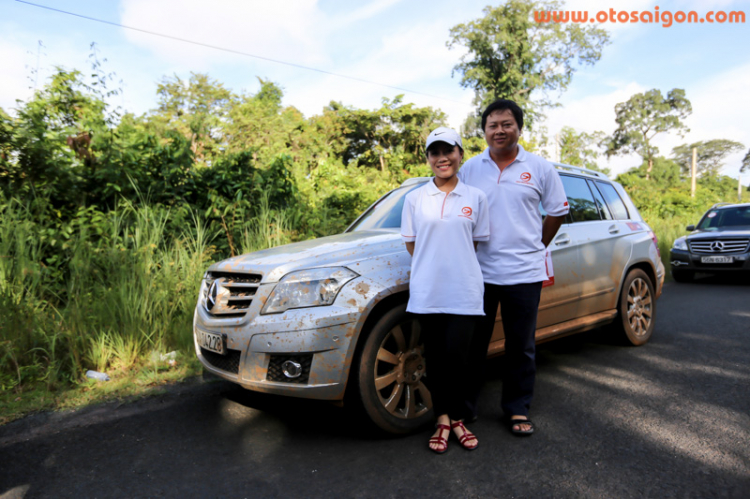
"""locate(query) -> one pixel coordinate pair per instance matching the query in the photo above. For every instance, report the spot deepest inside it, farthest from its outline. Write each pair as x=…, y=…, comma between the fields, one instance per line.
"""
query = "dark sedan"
x=720, y=243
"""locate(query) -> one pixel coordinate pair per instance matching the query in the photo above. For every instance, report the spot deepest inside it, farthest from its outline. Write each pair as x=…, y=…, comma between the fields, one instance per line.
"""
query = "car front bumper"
x=320, y=340
x=683, y=260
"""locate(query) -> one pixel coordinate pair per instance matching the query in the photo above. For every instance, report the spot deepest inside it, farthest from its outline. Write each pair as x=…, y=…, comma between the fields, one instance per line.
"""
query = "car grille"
x=275, y=373
x=229, y=362
x=714, y=246
x=229, y=294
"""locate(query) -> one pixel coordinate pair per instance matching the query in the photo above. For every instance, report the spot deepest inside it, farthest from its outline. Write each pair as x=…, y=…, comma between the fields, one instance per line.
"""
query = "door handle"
x=562, y=239
x=614, y=229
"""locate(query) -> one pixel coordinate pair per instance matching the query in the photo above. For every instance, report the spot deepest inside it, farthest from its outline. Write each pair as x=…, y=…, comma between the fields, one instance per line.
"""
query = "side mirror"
x=690, y=228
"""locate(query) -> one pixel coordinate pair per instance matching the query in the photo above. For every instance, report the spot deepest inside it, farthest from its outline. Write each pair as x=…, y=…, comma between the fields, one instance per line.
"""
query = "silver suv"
x=327, y=317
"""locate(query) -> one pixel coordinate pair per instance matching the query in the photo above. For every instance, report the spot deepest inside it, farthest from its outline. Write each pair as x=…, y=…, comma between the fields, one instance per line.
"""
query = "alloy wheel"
x=400, y=368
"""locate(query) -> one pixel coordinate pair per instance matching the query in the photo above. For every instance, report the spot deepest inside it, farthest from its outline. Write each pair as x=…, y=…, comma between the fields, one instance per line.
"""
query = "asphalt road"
x=669, y=419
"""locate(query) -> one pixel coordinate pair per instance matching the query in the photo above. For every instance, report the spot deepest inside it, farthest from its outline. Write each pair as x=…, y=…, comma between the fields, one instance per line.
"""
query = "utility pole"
x=739, y=186
x=694, y=171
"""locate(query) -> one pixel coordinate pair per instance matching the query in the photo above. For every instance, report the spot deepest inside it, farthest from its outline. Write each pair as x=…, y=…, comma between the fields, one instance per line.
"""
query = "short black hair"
x=502, y=105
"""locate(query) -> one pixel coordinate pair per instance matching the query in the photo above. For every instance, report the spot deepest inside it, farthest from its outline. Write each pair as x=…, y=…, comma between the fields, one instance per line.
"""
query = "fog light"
x=291, y=369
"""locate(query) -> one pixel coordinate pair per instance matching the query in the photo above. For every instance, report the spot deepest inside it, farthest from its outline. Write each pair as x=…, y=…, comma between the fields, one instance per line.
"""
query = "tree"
x=197, y=108
x=745, y=163
x=710, y=155
x=580, y=149
x=644, y=116
x=512, y=56
x=259, y=122
x=390, y=138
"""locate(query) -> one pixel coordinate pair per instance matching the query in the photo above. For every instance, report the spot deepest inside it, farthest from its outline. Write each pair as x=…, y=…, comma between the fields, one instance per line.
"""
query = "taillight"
x=656, y=242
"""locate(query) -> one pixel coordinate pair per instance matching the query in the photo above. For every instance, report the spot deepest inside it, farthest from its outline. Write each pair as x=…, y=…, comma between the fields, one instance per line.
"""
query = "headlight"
x=307, y=288
x=680, y=243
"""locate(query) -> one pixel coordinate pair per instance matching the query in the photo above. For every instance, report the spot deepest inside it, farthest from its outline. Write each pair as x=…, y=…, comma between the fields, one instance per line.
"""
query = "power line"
x=239, y=52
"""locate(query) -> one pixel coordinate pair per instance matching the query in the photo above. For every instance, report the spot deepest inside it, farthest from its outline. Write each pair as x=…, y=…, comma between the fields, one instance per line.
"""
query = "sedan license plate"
x=211, y=341
x=717, y=259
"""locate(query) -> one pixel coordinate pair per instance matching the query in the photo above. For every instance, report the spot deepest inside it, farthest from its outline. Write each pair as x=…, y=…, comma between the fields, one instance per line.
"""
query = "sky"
x=393, y=43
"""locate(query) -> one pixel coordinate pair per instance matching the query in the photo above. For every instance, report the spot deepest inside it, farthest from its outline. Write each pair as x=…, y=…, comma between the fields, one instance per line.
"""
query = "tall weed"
x=119, y=287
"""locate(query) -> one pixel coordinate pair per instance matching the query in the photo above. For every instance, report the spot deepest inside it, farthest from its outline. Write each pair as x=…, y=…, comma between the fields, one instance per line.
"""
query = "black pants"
x=519, y=305
x=446, y=341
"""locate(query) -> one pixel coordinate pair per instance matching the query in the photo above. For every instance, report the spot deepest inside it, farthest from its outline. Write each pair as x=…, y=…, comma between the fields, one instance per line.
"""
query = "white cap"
x=444, y=134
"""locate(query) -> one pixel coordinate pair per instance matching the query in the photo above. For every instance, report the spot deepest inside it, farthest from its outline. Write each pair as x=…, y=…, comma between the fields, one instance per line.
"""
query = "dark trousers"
x=446, y=341
x=519, y=305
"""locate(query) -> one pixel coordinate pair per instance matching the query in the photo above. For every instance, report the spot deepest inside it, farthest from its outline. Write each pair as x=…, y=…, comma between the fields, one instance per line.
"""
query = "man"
x=513, y=260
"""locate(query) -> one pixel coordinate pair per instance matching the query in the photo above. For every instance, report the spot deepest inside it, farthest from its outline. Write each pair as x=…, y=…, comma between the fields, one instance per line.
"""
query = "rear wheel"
x=390, y=372
x=683, y=275
x=637, y=308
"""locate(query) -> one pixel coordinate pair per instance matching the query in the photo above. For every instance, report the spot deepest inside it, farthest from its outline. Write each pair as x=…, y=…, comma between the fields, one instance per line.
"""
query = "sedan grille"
x=229, y=294
x=714, y=246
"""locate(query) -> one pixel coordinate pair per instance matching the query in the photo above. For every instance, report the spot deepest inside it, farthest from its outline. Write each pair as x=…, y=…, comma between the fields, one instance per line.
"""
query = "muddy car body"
x=326, y=318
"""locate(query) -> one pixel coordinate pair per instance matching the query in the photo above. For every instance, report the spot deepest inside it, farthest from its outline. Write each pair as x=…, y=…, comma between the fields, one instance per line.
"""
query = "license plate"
x=717, y=259
x=211, y=341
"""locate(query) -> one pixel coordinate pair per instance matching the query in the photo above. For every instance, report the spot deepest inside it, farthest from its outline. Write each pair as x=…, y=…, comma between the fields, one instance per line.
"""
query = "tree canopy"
x=710, y=155
x=643, y=117
x=511, y=56
x=580, y=148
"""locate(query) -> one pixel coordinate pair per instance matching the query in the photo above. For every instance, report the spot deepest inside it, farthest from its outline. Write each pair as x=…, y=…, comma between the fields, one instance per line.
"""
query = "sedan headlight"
x=307, y=288
x=680, y=243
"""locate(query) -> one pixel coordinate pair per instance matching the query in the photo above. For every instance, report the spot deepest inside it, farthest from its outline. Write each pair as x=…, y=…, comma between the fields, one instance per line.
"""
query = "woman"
x=441, y=225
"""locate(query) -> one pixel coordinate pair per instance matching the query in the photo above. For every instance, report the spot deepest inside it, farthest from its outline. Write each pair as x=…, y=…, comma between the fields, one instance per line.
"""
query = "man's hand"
x=550, y=226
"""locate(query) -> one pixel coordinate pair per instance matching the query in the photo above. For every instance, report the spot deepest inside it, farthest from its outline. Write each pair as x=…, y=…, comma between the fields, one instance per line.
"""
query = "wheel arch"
x=378, y=311
x=645, y=266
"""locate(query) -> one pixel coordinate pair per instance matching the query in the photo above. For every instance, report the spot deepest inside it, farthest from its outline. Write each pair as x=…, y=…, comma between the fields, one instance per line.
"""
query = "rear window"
x=600, y=203
x=582, y=204
x=616, y=205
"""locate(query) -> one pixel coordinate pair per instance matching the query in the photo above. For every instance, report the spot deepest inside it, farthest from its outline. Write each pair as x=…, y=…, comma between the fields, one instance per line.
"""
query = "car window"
x=600, y=203
x=582, y=205
x=386, y=212
x=618, y=208
x=543, y=212
x=727, y=217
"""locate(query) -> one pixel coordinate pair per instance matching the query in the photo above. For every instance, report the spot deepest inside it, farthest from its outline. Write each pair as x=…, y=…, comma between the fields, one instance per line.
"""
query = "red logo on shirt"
x=565, y=203
x=466, y=212
x=525, y=176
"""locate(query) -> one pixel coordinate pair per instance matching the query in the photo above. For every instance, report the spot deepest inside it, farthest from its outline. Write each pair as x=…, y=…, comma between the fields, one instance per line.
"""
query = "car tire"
x=636, y=309
x=683, y=275
x=390, y=372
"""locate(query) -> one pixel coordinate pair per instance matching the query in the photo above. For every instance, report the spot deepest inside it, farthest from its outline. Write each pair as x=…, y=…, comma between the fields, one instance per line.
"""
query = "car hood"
x=720, y=232
x=341, y=250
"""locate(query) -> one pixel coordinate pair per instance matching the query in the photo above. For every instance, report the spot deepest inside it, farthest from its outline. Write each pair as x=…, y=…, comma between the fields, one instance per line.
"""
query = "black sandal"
x=519, y=432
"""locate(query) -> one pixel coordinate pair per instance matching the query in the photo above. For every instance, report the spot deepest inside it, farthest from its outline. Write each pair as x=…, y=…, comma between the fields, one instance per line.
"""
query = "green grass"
x=109, y=293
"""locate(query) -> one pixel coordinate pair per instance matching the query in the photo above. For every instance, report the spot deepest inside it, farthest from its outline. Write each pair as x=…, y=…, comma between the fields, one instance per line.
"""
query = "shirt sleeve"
x=408, y=228
x=482, y=227
x=554, y=200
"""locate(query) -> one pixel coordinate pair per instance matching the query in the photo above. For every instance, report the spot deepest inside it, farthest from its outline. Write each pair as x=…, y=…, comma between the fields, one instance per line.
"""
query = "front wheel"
x=637, y=308
x=390, y=372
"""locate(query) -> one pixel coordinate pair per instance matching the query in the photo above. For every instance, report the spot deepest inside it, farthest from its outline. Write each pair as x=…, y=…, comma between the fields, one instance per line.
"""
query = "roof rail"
x=414, y=180
x=579, y=169
x=716, y=205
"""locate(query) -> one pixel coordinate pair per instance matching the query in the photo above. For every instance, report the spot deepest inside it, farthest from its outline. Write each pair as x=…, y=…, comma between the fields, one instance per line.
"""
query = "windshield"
x=386, y=212
x=726, y=217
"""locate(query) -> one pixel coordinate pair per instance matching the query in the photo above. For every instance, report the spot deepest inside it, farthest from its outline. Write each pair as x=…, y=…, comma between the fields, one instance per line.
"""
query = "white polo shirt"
x=515, y=253
x=445, y=273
